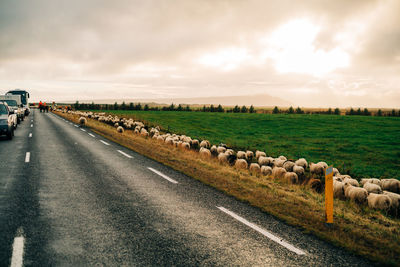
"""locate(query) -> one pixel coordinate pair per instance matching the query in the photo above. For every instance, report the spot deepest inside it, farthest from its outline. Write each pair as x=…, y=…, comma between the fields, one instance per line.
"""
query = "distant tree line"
x=172, y=107
x=235, y=109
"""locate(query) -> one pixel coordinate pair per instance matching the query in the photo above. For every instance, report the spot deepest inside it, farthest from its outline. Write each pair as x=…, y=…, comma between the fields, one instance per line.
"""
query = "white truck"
x=24, y=99
x=15, y=103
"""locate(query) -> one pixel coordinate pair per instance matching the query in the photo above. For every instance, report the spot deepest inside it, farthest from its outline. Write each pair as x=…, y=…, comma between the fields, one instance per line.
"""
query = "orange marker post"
x=329, y=196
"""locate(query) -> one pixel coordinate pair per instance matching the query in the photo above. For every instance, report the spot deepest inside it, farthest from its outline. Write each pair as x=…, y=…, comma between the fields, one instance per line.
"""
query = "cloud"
x=77, y=49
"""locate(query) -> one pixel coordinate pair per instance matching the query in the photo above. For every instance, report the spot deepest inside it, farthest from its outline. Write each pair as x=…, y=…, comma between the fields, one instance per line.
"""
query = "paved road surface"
x=81, y=200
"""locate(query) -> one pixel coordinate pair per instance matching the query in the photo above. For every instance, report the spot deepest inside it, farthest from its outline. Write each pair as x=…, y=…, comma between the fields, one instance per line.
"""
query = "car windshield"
x=3, y=109
x=12, y=103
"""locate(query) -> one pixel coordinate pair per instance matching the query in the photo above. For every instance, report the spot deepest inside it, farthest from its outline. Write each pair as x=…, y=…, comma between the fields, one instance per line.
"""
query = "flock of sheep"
x=382, y=194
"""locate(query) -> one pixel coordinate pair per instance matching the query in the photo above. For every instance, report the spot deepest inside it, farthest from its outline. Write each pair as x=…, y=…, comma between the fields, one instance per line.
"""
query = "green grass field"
x=358, y=145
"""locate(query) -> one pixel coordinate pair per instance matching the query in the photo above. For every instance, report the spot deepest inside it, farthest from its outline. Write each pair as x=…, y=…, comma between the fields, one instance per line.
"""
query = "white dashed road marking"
x=76, y=125
x=163, y=175
x=30, y=135
x=31, y=125
x=107, y=144
x=18, y=250
x=92, y=135
x=126, y=155
x=28, y=156
x=83, y=130
x=264, y=232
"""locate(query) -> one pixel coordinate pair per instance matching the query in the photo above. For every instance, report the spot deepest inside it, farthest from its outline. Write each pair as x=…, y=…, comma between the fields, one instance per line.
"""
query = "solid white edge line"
x=123, y=153
x=107, y=144
x=92, y=135
x=83, y=130
x=263, y=232
x=18, y=252
x=30, y=134
x=28, y=156
x=162, y=175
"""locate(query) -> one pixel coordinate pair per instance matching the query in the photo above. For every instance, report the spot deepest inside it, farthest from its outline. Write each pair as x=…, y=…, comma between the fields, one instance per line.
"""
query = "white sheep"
x=185, y=145
x=214, y=150
x=351, y=181
x=316, y=169
x=205, y=152
x=338, y=190
x=323, y=164
x=260, y=154
x=299, y=171
x=205, y=144
x=241, y=155
x=373, y=188
x=278, y=162
x=291, y=177
x=356, y=194
x=370, y=180
x=221, y=149
x=195, y=143
x=302, y=162
x=278, y=172
x=288, y=165
x=82, y=121
x=378, y=201
x=335, y=171
x=266, y=170
x=392, y=185
x=249, y=155
x=223, y=158
x=144, y=132
x=255, y=168
x=120, y=129
x=241, y=164
x=395, y=207
x=283, y=158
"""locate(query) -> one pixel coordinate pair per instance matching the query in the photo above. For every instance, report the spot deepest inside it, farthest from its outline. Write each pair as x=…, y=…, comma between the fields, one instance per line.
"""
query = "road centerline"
x=27, y=157
x=18, y=250
x=263, y=232
x=163, y=175
x=30, y=135
x=107, y=144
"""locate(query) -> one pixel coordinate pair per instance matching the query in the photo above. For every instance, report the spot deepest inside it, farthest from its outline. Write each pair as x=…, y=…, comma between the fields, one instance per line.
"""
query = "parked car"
x=7, y=120
x=14, y=101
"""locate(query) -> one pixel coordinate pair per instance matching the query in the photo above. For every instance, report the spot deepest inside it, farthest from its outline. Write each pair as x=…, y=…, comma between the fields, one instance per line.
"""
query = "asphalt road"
x=81, y=200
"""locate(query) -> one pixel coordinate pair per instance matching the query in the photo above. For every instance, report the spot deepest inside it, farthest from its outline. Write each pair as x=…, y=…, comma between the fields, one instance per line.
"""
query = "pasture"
x=362, y=146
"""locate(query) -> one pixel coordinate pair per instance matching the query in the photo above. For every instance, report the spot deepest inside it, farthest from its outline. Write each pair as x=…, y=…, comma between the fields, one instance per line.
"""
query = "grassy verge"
x=360, y=230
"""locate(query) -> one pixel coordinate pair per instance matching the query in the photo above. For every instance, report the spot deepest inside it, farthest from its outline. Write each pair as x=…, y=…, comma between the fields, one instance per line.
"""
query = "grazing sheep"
x=82, y=121
x=338, y=190
x=316, y=169
x=316, y=185
x=351, y=181
x=185, y=145
x=372, y=188
x=241, y=155
x=335, y=172
x=370, y=180
x=241, y=164
x=116, y=124
x=291, y=177
x=302, y=162
x=205, y=153
x=299, y=171
x=223, y=158
x=169, y=140
x=263, y=161
x=395, y=207
x=255, y=168
x=214, y=150
x=205, y=144
x=266, y=170
x=144, y=132
x=380, y=202
x=278, y=162
x=160, y=138
x=337, y=178
x=323, y=164
x=195, y=143
x=278, y=172
x=120, y=129
x=392, y=185
x=249, y=155
x=283, y=158
x=221, y=149
x=260, y=154
x=230, y=152
x=356, y=194
x=288, y=165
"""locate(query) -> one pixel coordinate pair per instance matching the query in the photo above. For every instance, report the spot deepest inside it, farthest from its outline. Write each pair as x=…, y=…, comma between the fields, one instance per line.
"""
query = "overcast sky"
x=311, y=53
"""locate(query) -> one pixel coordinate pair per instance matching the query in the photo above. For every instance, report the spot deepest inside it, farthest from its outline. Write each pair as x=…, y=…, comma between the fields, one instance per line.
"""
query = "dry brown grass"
x=357, y=228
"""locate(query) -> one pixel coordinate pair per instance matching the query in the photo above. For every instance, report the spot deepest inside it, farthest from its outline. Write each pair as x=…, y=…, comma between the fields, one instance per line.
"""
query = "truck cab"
x=14, y=102
x=7, y=118
x=24, y=99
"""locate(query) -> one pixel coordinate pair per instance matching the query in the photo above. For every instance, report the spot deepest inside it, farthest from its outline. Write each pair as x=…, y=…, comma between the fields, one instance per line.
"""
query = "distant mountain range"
x=260, y=100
